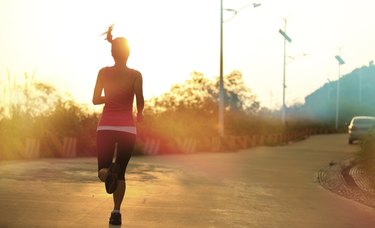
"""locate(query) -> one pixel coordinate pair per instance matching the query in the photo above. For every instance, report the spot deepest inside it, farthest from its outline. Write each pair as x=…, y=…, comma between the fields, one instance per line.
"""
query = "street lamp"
x=286, y=38
x=292, y=58
x=341, y=62
x=235, y=12
x=221, y=80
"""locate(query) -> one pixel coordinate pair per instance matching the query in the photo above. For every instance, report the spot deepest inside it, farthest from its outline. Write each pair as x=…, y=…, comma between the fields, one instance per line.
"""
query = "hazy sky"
x=170, y=39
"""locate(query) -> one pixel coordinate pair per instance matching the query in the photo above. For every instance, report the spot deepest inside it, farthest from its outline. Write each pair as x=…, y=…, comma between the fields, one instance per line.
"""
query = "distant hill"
x=357, y=97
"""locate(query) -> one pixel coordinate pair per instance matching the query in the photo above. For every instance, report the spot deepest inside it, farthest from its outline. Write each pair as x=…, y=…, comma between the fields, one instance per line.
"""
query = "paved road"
x=259, y=187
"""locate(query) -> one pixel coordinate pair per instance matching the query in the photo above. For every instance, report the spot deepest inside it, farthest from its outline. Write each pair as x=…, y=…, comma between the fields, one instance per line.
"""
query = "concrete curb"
x=348, y=180
x=362, y=179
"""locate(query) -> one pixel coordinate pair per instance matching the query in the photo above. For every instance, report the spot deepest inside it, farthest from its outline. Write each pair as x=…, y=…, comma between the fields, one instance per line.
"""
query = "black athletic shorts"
x=107, y=141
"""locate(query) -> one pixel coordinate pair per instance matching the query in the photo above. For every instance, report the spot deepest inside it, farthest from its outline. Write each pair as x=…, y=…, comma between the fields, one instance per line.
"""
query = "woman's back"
x=118, y=87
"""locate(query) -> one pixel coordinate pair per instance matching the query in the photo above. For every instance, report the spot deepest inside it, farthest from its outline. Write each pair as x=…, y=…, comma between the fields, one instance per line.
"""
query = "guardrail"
x=154, y=145
x=66, y=147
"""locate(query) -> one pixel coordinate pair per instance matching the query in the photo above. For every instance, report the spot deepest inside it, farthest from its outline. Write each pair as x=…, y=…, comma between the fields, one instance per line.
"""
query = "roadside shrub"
x=189, y=110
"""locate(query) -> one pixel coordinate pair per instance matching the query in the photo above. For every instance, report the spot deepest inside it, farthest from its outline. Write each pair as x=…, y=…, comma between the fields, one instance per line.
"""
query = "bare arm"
x=97, y=97
x=138, y=90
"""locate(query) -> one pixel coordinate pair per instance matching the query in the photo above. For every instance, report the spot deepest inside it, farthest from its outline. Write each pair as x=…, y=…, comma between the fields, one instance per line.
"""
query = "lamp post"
x=221, y=82
x=221, y=79
x=340, y=61
x=360, y=88
x=328, y=91
x=286, y=38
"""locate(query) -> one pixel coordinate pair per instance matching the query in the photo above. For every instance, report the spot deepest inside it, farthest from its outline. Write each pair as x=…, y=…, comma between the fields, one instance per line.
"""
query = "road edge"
x=346, y=179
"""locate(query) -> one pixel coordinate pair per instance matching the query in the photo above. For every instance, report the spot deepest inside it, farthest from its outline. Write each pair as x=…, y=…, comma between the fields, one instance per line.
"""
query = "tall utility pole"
x=286, y=38
x=340, y=61
x=221, y=82
x=360, y=88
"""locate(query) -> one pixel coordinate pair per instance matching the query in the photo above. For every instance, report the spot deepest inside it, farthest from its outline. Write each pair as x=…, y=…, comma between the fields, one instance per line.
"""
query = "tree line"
x=35, y=109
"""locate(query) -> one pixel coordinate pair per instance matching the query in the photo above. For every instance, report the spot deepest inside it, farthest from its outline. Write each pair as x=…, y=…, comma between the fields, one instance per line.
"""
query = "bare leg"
x=118, y=195
x=102, y=174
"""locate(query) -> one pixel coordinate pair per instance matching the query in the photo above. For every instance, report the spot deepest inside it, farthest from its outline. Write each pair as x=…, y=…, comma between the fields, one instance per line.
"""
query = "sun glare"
x=171, y=39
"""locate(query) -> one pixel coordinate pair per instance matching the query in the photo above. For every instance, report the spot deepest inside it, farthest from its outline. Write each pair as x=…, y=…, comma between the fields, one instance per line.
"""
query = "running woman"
x=116, y=130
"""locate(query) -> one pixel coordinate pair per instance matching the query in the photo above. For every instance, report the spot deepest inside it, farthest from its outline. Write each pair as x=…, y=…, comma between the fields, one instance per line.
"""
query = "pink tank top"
x=119, y=96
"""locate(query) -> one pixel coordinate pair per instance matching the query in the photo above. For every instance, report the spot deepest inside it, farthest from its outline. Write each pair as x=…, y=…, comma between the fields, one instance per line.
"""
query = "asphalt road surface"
x=258, y=187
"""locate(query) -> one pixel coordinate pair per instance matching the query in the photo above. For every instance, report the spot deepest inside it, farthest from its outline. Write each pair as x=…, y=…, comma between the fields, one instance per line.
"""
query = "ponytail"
x=109, y=33
x=119, y=46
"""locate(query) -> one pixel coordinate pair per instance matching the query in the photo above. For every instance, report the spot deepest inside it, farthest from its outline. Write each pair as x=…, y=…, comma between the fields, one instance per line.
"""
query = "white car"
x=360, y=126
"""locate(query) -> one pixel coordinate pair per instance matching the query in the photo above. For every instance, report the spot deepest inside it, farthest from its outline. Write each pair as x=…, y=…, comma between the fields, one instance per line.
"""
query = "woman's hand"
x=139, y=117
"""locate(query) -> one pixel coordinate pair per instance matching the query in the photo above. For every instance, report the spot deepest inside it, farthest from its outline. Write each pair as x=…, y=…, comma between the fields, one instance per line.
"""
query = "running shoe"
x=111, y=179
x=115, y=218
